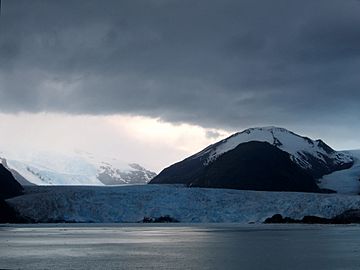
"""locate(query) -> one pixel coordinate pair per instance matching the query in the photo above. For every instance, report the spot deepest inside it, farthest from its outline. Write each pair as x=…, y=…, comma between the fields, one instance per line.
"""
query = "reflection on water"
x=136, y=246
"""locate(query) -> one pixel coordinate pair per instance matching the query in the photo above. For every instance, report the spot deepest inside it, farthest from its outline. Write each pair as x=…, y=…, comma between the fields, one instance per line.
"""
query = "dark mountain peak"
x=9, y=187
x=256, y=166
x=314, y=158
x=325, y=147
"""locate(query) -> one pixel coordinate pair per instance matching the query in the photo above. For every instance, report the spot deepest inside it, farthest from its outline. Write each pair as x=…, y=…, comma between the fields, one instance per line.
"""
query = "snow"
x=55, y=170
x=133, y=203
x=344, y=181
x=78, y=168
x=284, y=139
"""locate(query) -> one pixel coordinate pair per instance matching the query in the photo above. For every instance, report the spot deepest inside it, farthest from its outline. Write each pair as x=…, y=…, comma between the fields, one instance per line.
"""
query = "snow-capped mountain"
x=312, y=155
x=80, y=168
x=239, y=162
x=110, y=175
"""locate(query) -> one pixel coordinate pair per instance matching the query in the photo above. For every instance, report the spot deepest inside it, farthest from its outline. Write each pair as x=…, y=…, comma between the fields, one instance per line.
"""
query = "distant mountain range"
x=80, y=168
x=266, y=158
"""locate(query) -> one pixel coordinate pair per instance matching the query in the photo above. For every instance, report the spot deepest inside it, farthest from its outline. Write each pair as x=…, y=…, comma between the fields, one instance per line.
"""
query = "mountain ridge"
x=314, y=157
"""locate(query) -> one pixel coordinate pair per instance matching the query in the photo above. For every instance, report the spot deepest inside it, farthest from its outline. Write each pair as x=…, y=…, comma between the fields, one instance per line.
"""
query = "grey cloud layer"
x=214, y=63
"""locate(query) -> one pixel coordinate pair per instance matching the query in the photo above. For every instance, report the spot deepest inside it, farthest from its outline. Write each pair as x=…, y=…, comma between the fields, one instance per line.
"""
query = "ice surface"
x=344, y=181
x=79, y=168
x=133, y=203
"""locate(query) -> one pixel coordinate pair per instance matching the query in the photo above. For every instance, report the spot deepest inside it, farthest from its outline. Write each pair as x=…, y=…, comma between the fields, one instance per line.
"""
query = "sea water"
x=179, y=246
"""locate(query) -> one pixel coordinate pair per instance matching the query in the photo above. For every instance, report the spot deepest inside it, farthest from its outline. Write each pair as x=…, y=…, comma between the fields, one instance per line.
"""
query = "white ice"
x=133, y=203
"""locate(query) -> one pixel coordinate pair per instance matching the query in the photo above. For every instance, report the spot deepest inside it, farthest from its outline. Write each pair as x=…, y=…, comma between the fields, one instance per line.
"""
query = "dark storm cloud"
x=212, y=134
x=214, y=63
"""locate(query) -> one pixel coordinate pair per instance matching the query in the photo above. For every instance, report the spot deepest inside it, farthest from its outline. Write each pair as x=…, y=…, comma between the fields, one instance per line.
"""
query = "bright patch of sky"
x=147, y=141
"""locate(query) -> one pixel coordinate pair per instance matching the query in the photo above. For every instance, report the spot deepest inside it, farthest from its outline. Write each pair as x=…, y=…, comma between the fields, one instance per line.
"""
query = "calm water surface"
x=223, y=246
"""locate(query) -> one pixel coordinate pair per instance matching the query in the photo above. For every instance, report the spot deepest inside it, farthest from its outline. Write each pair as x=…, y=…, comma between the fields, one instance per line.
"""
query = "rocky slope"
x=19, y=178
x=256, y=166
x=9, y=187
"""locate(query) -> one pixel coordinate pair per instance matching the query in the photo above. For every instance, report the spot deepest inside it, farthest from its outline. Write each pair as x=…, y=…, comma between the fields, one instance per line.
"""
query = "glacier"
x=77, y=168
x=344, y=181
x=103, y=204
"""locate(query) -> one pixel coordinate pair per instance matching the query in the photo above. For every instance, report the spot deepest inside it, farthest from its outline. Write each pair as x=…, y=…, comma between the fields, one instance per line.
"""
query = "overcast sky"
x=215, y=66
